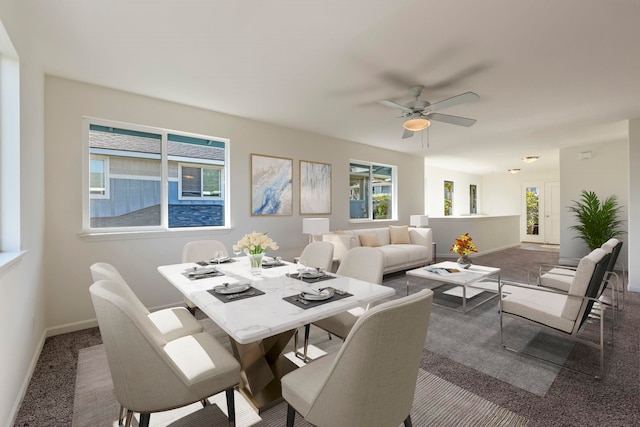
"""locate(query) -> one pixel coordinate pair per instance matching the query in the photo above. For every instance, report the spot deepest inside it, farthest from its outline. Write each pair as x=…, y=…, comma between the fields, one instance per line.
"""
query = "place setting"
x=313, y=297
x=268, y=262
x=201, y=272
x=228, y=292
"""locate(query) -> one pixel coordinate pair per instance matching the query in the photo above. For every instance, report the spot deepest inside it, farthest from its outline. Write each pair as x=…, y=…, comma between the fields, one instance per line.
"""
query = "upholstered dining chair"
x=151, y=374
x=371, y=380
x=172, y=323
x=201, y=250
x=558, y=312
x=317, y=255
x=363, y=263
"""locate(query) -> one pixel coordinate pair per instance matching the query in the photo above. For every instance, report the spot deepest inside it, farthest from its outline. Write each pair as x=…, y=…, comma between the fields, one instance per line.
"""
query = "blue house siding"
x=136, y=202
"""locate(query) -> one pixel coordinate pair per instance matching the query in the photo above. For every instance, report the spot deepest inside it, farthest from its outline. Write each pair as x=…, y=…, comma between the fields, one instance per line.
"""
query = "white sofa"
x=413, y=252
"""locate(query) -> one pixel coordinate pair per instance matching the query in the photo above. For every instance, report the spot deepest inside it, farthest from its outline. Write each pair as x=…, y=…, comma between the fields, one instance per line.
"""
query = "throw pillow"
x=369, y=240
x=399, y=234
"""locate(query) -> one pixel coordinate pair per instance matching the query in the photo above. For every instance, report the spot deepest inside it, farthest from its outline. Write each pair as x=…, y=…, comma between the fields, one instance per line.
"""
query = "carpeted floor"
x=572, y=399
x=437, y=402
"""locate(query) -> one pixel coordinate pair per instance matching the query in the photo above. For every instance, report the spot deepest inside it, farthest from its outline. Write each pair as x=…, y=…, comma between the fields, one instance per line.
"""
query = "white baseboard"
x=13, y=414
x=71, y=327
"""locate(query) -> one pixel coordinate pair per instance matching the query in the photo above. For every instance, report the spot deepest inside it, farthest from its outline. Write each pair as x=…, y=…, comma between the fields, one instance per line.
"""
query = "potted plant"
x=597, y=221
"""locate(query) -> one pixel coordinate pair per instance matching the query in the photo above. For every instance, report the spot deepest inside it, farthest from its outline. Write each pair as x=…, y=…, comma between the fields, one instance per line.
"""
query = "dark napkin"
x=240, y=295
x=295, y=299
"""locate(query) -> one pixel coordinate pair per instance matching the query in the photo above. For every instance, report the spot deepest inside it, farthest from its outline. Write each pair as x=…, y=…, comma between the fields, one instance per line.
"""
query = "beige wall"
x=69, y=254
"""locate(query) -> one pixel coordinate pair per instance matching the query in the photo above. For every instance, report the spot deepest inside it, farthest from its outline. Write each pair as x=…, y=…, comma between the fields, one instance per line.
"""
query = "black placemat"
x=310, y=279
x=214, y=273
x=251, y=292
x=302, y=303
x=279, y=264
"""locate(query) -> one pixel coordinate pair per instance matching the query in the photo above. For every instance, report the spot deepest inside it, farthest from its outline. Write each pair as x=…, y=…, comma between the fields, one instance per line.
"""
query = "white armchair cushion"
x=536, y=304
x=580, y=283
x=557, y=280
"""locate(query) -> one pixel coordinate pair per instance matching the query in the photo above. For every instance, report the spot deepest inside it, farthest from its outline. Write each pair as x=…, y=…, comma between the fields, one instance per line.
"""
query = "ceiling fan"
x=419, y=114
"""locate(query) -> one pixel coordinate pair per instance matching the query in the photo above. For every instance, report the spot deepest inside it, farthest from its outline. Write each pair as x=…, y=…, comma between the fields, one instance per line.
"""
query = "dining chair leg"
x=127, y=422
x=291, y=415
x=231, y=407
x=122, y=415
x=407, y=421
x=144, y=419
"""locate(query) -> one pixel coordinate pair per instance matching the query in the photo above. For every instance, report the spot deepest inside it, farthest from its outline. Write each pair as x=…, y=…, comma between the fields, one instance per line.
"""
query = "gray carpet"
x=437, y=402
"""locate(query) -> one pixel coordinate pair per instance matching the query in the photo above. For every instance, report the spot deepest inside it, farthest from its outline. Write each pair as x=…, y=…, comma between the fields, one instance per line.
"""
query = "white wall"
x=634, y=201
x=606, y=173
x=22, y=291
x=502, y=192
x=435, y=178
x=69, y=255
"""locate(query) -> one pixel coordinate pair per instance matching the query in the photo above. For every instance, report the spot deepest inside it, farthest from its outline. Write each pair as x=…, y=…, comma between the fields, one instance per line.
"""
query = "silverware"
x=300, y=300
x=241, y=294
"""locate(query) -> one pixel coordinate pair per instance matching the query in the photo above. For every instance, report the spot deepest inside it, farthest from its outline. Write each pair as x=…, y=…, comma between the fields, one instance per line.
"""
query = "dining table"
x=260, y=313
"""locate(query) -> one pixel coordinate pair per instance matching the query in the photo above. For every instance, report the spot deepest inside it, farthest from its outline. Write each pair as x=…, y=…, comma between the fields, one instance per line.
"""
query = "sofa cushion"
x=395, y=255
x=371, y=240
x=399, y=234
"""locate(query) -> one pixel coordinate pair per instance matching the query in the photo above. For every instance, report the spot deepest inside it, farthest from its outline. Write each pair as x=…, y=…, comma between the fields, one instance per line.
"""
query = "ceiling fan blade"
x=407, y=134
x=394, y=105
x=454, y=120
x=450, y=102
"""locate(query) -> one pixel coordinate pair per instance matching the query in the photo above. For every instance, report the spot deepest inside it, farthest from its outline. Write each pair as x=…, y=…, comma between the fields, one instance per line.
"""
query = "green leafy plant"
x=598, y=221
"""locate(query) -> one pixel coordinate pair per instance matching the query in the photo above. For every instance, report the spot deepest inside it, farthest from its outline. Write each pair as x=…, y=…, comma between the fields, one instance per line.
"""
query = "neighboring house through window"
x=129, y=163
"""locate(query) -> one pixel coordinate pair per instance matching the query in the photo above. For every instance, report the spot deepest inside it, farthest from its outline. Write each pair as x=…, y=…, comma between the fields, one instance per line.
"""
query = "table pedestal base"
x=263, y=364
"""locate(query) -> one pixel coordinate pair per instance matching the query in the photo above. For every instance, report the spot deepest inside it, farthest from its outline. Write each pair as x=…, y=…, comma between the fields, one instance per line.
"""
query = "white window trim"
x=107, y=177
x=164, y=189
x=394, y=189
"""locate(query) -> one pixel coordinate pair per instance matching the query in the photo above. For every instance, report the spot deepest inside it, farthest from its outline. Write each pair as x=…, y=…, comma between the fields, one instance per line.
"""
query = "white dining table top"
x=258, y=317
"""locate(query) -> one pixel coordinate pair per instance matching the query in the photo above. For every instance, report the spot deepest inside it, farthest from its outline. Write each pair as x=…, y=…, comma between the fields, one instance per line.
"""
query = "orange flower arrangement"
x=464, y=245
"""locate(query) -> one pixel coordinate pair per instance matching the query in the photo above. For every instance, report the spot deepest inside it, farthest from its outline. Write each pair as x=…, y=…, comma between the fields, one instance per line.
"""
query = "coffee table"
x=454, y=286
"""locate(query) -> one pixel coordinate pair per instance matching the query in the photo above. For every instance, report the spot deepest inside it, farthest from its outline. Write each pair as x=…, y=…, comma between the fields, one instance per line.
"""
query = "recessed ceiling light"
x=530, y=159
x=513, y=170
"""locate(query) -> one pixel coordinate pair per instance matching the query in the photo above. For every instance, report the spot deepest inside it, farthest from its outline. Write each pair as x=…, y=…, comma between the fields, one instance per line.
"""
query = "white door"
x=532, y=228
x=552, y=212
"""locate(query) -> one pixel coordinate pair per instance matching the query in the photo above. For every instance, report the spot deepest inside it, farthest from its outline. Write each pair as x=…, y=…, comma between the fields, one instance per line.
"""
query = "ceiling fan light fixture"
x=530, y=159
x=416, y=124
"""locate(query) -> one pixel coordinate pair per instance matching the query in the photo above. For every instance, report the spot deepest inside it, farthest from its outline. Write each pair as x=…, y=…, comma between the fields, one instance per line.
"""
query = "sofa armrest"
x=424, y=237
x=341, y=243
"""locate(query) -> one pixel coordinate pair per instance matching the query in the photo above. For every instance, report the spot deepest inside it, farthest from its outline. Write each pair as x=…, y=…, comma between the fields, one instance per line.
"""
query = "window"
x=129, y=163
x=448, y=198
x=371, y=191
x=473, y=199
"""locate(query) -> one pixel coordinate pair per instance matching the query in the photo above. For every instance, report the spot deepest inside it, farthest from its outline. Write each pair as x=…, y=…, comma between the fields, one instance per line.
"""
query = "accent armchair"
x=558, y=312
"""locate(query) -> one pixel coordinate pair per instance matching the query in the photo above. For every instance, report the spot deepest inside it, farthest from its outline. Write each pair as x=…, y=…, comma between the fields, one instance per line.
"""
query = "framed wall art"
x=315, y=188
x=271, y=182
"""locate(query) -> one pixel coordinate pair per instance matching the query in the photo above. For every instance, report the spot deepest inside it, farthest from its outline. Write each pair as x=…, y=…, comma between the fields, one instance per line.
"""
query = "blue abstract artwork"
x=271, y=180
x=315, y=188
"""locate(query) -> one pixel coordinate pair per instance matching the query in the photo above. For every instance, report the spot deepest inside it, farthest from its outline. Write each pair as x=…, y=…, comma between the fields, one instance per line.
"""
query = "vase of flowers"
x=255, y=245
x=464, y=246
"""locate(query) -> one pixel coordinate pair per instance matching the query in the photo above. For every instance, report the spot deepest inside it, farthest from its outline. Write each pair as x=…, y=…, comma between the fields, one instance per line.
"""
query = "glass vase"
x=255, y=261
x=464, y=261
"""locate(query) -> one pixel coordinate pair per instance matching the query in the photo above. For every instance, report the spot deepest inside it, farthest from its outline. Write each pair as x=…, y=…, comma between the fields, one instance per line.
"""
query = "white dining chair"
x=317, y=255
x=202, y=250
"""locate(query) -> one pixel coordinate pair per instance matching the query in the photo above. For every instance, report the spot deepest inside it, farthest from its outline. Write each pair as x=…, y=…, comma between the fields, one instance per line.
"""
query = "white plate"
x=231, y=289
x=220, y=259
x=323, y=295
x=201, y=271
x=311, y=274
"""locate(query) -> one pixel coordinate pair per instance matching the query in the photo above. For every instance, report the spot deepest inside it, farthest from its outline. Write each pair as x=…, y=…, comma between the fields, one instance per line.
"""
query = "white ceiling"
x=549, y=73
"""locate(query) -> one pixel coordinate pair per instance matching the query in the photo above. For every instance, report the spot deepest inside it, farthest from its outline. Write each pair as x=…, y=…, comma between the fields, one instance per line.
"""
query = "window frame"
x=106, y=176
x=165, y=159
x=202, y=167
x=371, y=183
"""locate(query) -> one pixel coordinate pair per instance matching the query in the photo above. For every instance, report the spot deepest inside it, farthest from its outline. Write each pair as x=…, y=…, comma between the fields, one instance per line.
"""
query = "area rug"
x=473, y=339
x=437, y=402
